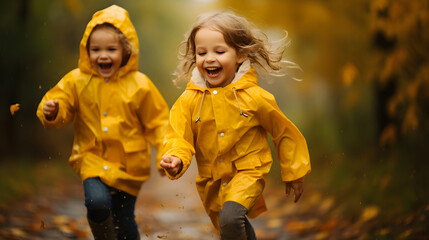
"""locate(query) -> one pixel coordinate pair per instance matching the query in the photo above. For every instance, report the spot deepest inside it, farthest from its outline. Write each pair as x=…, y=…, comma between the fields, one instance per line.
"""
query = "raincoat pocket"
x=204, y=171
x=248, y=162
x=138, y=163
x=135, y=145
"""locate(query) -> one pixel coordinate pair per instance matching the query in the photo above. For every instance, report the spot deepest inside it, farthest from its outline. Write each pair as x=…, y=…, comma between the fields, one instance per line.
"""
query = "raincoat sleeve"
x=179, y=139
x=153, y=114
x=291, y=147
x=65, y=93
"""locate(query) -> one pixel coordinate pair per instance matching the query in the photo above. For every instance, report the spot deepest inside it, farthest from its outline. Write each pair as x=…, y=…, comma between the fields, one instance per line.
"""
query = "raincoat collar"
x=245, y=77
x=119, y=18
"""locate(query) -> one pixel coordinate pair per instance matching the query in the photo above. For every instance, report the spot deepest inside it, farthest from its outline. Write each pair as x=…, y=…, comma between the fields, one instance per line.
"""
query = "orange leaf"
x=388, y=136
x=329, y=225
x=14, y=108
x=300, y=226
x=161, y=236
x=349, y=74
x=411, y=121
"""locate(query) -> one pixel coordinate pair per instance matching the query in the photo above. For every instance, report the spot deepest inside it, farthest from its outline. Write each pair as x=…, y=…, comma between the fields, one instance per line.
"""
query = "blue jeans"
x=102, y=200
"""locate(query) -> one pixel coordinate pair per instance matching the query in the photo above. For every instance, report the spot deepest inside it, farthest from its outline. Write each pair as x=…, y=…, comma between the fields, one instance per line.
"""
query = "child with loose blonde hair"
x=117, y=113
x=224, y=118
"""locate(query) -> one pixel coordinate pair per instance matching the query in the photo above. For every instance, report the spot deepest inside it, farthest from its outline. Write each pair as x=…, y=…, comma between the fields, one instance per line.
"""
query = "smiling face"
x=215, y=59
x=105, y=51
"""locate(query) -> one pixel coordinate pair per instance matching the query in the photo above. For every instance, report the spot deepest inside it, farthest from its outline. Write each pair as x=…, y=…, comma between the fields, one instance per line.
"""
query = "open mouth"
x=213, y=71
x=105, y=67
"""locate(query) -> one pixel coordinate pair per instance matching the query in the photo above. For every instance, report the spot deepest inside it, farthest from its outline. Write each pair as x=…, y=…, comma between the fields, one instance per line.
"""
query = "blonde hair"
x=239, y=34
x=123, y=40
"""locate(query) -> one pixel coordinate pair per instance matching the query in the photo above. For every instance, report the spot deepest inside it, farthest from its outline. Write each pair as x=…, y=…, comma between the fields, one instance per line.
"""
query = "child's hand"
x=297, y=186
x=173, y=165
x=162, y=172
x=50, y=109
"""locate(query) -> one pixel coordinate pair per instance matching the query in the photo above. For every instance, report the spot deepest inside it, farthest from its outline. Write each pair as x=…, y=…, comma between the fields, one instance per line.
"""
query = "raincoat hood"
x=119, y=18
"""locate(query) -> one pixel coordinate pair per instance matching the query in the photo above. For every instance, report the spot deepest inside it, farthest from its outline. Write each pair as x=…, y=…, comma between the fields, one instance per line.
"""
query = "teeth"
x=211, y=68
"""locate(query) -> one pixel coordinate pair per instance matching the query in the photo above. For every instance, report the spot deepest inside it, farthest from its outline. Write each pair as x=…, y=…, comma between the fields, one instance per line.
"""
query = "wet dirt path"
x=165, y=209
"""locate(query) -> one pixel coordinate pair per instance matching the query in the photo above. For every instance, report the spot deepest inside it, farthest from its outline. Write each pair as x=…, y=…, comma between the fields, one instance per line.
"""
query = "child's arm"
x=50, y=109
x=297, y=186
x=57, y=108
x=290, y=144
x=179, y=139
x=153, y=112
x=173, y=165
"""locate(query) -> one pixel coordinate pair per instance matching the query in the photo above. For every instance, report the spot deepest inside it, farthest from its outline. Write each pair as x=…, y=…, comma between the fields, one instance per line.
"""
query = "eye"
x=201, y=53
x=112, y=49
x=220, y=52
x=94, y=49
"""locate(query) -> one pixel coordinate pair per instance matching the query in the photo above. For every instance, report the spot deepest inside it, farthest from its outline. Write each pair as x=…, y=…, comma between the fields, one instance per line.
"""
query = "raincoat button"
x=221, y=160
x=105, y=129
x=215, y=92
x=105, y=113
x=222, y=134
x=106, y=167
x=106, y=79
x=224, y=184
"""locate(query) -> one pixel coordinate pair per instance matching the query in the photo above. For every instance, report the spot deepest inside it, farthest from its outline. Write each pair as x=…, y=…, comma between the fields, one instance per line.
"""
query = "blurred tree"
x=400, y=31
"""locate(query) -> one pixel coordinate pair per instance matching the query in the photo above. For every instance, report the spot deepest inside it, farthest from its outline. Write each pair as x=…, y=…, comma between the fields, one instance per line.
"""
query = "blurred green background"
x=362, y=106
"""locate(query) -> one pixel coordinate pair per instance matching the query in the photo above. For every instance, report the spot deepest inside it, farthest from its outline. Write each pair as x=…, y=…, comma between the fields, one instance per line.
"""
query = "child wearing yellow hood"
x=224, y=118
x=117, y=112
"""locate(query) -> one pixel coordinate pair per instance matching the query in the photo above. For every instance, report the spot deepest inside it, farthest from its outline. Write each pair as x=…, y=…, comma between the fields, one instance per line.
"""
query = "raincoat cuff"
x=294, y=177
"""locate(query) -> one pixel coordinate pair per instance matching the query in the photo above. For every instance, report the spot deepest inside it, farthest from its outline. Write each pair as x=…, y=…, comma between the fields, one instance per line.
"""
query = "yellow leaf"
x=161, y=236
x=274, y=223
x=322, y=235
x=14, y=108
x=369, y=213
x=384, y=231
x=327, y=204
x=17, y=232
x=349, y=74
x=61, y=220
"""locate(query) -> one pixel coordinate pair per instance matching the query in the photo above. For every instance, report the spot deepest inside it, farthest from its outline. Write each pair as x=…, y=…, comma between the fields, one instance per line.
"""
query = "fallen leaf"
x=42, y=224
x=329, y=225
x=161, y=236
x=406, y=233
x=384, y=231
x=14, y=108
x=61, y=220
x=327, y=204
x=300, y=226
x=17, y=232
x=370, y=213
x=349, y=74
x=274, y=223
x=322, y=235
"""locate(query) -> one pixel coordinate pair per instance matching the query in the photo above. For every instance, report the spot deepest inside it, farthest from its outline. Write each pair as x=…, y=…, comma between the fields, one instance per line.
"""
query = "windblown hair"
x=126, y=46
x=239, y=34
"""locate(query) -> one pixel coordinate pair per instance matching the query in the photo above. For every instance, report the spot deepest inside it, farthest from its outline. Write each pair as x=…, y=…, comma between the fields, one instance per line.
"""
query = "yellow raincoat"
x=114, y=119
x=226, y=128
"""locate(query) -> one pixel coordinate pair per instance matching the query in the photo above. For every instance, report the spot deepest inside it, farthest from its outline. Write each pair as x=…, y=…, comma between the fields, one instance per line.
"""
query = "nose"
x=103, y=55
x=210, y=57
